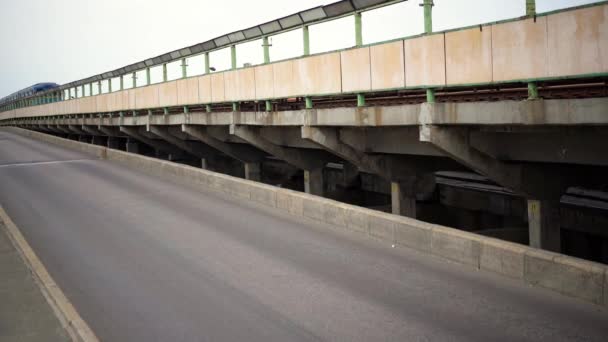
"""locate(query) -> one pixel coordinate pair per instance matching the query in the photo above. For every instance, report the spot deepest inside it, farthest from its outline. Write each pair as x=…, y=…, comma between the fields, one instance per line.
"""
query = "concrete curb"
x=69, y=318
x=568, y=276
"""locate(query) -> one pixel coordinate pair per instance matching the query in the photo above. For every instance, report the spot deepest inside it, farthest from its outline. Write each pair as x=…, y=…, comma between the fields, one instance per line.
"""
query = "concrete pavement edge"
x=70, y=319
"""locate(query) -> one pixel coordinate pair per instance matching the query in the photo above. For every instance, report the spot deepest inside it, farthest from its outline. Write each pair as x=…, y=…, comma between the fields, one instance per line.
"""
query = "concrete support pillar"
x=253, y=171
x=544, y=225
x=132, y=146
x=401, y=204
x=203, y=163
x=313, y=181
x=113, y=143
x=98, y=140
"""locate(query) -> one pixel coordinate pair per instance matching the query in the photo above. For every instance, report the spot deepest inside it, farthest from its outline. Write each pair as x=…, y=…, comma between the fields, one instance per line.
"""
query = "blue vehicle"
x=29, y=91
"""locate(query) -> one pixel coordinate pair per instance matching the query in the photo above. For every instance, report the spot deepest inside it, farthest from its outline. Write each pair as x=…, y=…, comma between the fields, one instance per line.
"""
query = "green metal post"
x=308, y=101
x=149, y=112
x=207, y=65
x=358, y=30
x=266, y=46
x=109, y=85
x=360, y=100
x=148, y=76
x=235, y=106
x=82, y=89
x=121, y=114
x=186, y=110
x=532, y=91
x=122, y=82
x=134, y=77
x=98, y=87
x=233, y=56
x=91, y=89
x=184, y=68
x=428, y=16
x=134, y=113
x=208, y=108
x=430, y=95
x=165, y=111
x=306, y=40
x=165, y=76
x=530, y=7
x=268, y=106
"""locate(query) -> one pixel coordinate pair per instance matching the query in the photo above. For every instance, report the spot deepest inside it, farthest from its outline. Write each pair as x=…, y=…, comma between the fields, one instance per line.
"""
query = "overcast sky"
x=66, y=40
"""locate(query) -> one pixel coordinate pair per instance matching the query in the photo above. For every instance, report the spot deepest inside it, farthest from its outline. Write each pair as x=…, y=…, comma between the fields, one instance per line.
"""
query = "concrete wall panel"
x=425, y=61
x=204, y=89
x=217, y=88
x=101, y=102
x=147, y=97
x=167, y=94
x=239, y=85
x=264, y=81
x=469, y=56
x=519, y=50
x=317, y=75
x=578, y=41
x=284, y=83
x=187, y=91
x=387, y=66
x=356, y=70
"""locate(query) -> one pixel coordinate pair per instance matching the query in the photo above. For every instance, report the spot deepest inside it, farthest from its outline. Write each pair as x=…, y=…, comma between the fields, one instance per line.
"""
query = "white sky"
x=67, y=40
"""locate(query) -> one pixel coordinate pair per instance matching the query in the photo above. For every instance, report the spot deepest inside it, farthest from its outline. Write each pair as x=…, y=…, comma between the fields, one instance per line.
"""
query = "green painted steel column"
x=186, y=110
x=109, y=85
x=268, y=106
x=208, y=108
x=82, y=89
x=233, y=56
x=235, y=106
x=360, y=100
x=266, y=46
x=134, y=77
x=165, y=75
x=165, y=111
x=122, y=82
x=306, y=34
x=184, y=68
x=148, y=76
x=430, y=95
x=91, y=89
x=530, y=7
x=532, y=91
x=207, y=65
x=358, y=30
x=428, y=16
x=98, y=87
x=308, y=102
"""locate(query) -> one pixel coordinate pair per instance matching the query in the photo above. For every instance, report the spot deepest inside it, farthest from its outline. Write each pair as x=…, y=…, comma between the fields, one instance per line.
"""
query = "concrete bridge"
x=505, y=119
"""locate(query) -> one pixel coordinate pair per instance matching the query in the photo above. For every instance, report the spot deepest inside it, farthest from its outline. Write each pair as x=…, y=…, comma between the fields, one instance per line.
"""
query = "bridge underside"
x=528, y=171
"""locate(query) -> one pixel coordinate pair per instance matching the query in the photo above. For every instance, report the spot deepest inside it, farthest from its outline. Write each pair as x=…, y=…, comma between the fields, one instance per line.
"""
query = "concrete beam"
x=110, y=131
x=311, y=161
x=134, y=133
x=240, y=152
x=530, y=181
x=581, y=146
x=410, y=176
x=92, y=130
x=198, y=150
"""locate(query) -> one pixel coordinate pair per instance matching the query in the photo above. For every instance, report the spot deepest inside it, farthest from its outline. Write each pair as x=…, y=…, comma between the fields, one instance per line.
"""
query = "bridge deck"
x=145, y=259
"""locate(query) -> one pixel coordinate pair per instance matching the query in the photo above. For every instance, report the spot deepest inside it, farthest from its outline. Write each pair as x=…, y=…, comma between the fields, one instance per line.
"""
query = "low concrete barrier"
x=566, y=275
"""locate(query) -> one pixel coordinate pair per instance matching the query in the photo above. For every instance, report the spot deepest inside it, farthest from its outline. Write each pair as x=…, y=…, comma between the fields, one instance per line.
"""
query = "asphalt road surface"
x=144, y=259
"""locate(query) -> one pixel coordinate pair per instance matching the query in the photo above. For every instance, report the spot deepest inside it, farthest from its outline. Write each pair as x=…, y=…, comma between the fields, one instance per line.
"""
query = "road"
x=144, y=259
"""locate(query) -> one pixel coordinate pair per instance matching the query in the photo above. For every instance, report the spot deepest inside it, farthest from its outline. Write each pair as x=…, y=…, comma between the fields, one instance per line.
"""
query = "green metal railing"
x=69, y=93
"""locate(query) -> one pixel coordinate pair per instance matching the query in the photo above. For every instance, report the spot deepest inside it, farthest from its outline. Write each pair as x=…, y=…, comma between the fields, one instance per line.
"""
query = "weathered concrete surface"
x=25, y=314
x=166, y=250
